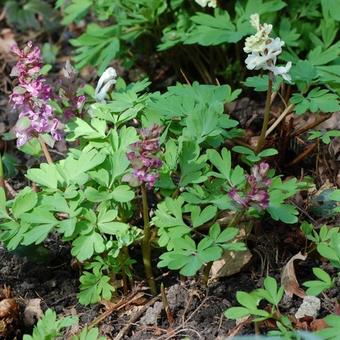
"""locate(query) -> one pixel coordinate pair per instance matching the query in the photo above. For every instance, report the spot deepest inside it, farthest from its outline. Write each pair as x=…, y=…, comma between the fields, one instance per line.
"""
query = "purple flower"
x=258, y=183
x=143, y=157
x=69, y=98
x=31, y=97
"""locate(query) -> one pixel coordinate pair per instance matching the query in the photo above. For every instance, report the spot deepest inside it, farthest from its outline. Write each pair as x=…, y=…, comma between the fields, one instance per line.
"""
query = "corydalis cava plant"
x=70, y=100
x=257, y=195
x=31, y=97
x=144, y=161
x=263, y=50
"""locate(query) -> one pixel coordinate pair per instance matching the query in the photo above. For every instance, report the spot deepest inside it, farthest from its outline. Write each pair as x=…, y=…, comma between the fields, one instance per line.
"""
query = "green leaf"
x=47, y=176
x=227, y=235
x=303, y=71
x=260, y=83
x=38, y=234
x=77, y=9
x=3, y=210
x=283, y=212
x=274, y=295
x=122, y=193
x=74, y=170
x=49, y=327
x=199, y=217
x=25, y=201
x=316, y=100
x=79, y=128
x=235, y=313
x=333, y=329
x=89, y=334
x=39, y=215
x=212, y=30
x=84, y=246
x=319, y=57
x=221, y=162
x=97, y=46
x=113, y=227
x=94, y=288
x=247, y=300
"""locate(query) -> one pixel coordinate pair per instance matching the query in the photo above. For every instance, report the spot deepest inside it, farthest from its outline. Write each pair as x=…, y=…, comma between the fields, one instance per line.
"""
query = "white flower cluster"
x=205, y=3
x=263, y=50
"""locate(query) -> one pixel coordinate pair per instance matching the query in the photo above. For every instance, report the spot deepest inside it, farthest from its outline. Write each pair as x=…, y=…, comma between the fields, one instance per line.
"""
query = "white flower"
x=282, y=71
x=267, y=58
x=255, y=21
x=205, y=3
x=107, y=79
x=263, y=50
x=257, y=41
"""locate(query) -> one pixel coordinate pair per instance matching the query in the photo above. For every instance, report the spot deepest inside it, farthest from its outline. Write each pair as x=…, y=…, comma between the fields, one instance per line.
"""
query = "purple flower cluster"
x=31, y=97
x=143, y=157
x=68, y=96
x=258, y=183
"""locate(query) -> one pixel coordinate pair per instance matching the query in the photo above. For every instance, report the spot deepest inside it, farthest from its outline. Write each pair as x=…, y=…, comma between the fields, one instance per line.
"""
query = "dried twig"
x=166, y=306
x=119, y=305
x=285, y=112
x=10, y=189
x=135, y=317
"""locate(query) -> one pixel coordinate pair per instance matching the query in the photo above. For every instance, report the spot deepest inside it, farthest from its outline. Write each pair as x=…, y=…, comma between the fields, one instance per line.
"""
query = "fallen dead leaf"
x=6, y=42
x=288, y=277
x=318, y=324
x=32, y=312
x=230, y=263
x=9, y=313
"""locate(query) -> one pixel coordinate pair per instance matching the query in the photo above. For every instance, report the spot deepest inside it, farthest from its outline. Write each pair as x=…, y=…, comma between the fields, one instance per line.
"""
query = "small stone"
x=152, y=314
x=309, y=307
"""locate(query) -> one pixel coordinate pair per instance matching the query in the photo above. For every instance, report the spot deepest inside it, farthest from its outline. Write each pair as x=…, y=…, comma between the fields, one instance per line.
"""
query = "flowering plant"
x=143, y=158
x=31, y=97
x=263, y=50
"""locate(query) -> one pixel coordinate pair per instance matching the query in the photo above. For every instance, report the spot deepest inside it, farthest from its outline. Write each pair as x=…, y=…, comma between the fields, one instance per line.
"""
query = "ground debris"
x=9, y=313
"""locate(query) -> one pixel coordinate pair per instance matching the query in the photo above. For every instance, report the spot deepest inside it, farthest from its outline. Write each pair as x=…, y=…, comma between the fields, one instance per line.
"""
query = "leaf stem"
x=2, y=178
x=266, y=115
x=45, y=150
x=146, y=247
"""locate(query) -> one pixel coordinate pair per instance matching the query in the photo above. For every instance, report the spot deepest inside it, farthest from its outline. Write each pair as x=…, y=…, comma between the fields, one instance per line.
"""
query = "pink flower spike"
x=31, y=97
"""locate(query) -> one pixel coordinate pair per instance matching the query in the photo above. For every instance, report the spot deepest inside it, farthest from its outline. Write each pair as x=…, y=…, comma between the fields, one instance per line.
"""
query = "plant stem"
x=146, y=247
x=2, y=178
x=45, y=151
x=266, y=115
x=206, y=272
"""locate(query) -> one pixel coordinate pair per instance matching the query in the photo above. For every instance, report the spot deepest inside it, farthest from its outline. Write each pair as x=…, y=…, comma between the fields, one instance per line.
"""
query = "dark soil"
x=198, y=311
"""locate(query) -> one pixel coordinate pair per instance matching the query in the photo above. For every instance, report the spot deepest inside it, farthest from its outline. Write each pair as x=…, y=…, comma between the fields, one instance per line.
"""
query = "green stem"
x=146, y=246
x=266, y=116
x=2, y=178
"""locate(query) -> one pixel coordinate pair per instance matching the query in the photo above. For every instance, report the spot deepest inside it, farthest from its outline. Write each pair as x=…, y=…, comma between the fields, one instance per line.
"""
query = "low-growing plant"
x=98, y=198
x=148, y=170
x=50, y=327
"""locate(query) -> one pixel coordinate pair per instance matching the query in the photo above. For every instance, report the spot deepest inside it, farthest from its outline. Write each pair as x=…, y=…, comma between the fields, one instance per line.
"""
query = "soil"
x=197, y=311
